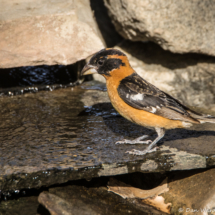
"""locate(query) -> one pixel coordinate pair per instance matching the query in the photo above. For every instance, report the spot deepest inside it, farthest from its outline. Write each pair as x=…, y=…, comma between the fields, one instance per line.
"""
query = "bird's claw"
x=146, y=141
x=133, y=142
x=120, y=142
x=137, y=152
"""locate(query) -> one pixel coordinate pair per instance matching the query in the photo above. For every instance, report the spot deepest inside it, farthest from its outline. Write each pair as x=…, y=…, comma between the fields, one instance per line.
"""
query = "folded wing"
x=138, y=93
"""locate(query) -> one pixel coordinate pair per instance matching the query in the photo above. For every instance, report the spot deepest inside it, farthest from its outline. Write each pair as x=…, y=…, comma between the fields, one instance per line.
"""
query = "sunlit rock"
x=44, y=32
x=178, y=26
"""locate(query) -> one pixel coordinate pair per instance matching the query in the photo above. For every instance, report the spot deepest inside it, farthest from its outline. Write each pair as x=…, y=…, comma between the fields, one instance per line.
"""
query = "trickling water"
x=30, y=79
x=37, y=75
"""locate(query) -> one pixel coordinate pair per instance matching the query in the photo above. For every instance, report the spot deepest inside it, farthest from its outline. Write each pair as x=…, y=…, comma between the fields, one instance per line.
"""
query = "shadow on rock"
x=151, y=53
x=122, y=126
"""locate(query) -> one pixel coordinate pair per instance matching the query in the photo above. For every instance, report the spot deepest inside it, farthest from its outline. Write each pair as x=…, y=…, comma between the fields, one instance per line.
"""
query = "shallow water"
x=48, y=137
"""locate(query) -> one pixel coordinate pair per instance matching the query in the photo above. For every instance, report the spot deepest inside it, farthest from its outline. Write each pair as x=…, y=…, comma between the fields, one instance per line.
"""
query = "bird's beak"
x=89, y=69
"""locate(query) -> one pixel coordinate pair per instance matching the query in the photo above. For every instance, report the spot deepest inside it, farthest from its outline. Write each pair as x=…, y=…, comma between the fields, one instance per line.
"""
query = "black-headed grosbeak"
x=139, y=101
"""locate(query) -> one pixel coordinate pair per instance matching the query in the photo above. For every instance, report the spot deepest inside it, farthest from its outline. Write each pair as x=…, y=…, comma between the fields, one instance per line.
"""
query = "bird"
x=139, y=101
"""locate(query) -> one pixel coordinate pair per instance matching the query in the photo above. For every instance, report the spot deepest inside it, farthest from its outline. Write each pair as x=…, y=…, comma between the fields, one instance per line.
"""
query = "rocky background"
x=44, y=45
x=169, y=43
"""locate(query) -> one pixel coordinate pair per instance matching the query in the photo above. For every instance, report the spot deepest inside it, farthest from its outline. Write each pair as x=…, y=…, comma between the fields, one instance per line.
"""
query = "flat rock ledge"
x=75, y=139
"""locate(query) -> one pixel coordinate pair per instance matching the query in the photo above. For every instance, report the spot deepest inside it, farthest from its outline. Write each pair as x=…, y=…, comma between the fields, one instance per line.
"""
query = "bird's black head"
x=104, y=61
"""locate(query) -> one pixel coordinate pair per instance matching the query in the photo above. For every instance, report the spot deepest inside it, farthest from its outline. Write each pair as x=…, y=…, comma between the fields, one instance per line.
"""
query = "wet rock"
x=177, y=26
x=189, y=77
x=40, y=32
x=22, y=206
x=191, y=192
x=69, y=134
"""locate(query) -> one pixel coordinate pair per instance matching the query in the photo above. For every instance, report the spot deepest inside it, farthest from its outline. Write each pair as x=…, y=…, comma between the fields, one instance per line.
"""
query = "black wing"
x=140, y=94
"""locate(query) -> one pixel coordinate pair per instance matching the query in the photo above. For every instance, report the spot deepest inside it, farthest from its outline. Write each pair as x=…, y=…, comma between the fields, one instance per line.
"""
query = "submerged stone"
x=68, y=134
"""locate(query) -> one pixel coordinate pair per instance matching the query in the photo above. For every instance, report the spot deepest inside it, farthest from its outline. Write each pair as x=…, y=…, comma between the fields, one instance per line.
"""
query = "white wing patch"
x=153, y=110
x=138, y=96
x=187, y=124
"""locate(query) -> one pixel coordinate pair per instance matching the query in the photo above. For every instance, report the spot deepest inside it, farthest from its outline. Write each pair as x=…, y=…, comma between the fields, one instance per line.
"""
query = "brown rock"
x=178, y=26
x=40, y=32
x=128, y=191
x=192, y=192
x=150, y=197
x=93, y=200
x=59, y=206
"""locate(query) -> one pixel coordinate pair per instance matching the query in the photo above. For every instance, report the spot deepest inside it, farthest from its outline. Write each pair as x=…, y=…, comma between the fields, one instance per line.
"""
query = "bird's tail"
x=202, y=118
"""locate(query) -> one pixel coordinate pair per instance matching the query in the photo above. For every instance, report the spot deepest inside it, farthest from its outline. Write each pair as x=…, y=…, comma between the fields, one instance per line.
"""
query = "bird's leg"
x=160, y=132
x=137, y=140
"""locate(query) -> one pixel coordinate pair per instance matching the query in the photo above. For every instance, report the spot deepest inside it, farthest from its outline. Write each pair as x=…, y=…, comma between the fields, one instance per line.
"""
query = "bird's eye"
x=100, y=62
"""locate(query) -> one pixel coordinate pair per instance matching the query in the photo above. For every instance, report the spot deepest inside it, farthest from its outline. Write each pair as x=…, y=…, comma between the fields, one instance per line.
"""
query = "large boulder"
x=42, y=32
x=178, y=26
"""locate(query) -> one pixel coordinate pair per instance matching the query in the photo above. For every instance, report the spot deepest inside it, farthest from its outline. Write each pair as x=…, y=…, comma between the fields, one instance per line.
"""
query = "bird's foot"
x=137, y=140
x=137, y=152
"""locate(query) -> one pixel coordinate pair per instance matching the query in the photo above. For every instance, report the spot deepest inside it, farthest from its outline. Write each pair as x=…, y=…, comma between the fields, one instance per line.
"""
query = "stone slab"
x=68, y=134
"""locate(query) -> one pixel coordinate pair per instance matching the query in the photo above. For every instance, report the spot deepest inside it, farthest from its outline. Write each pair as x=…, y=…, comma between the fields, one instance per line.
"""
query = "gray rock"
x=178, y=26
x=44, y=32
x=69, y=134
